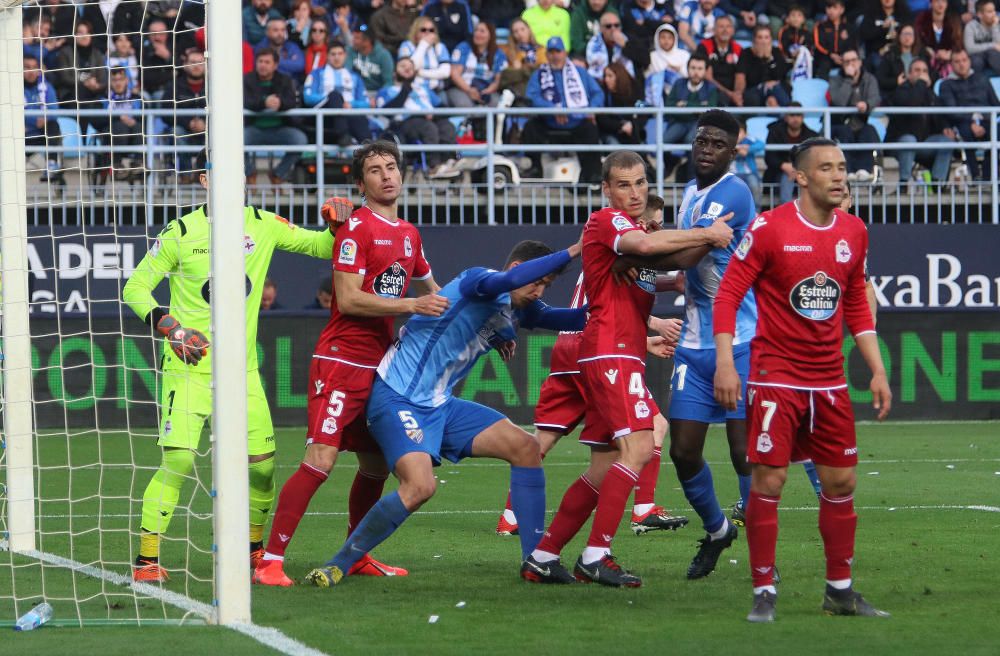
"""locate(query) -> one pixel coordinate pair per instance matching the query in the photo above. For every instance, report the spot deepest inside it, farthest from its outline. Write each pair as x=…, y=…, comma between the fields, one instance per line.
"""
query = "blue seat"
x=811, y=93
x=503, y=35
x=995, y=82
x=879, y=126
x=757, y=127
x=937, y=86
x=72, y=136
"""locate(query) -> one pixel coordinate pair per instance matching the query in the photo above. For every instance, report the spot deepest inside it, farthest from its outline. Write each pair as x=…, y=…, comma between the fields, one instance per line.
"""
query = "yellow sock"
x=256, y=532
x=149, y=545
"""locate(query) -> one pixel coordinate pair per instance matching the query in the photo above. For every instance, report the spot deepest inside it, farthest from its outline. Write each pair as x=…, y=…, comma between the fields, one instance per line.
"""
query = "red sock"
x=615, y=490
x=292, y=503
x=645, y=489
x=574, y=510
x=762, y=536
x=365, y=493
x=837, y=523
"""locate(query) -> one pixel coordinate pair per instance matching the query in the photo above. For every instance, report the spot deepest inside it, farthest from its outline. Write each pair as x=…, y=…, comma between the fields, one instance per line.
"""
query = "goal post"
x=17, y=396
x=76, y=456
x=229, y=415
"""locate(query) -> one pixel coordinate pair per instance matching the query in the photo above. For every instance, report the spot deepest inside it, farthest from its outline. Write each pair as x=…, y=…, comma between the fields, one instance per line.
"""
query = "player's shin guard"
x=615, y=490
x=527, y=498
x=292, y=503
x=700, y=493
x=574, y=511
x=365, y=492
x=762, y=537
x=161, y=495
x=645, y=488
x=261, y=492
x=837, y=524
x=380, y=522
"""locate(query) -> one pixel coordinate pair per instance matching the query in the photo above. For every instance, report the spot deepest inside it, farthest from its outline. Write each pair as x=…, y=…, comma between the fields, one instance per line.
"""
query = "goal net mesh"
x=111, y=128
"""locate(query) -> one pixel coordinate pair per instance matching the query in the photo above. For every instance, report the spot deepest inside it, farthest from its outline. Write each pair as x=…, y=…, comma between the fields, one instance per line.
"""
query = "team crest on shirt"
x=843, y=251
x=154, y=250
x=407, y=247
x=764, y=443
x=348, y=252
x=248, y=244
x=744, y=248
x=713, y=211
x=167, y=427
x=816, y=297
x=621, y=223
x=641, y=409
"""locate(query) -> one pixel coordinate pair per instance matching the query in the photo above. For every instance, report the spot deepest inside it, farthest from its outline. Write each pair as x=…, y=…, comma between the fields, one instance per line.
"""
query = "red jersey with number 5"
x=616, y=325
x=808, y=280
x=388, y=253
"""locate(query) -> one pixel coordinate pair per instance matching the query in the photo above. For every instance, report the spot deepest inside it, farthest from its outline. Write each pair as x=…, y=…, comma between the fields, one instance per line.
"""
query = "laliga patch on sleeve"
x=348, y=252
x=621, y=223
x=744, y=247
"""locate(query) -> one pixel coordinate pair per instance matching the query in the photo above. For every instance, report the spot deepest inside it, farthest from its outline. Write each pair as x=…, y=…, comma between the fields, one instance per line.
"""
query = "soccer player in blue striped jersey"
x=714, y=193
x=416, y=420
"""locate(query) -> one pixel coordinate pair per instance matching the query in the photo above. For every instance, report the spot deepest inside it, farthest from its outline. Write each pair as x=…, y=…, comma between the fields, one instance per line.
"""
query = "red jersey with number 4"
x=808, y=280
x=566, y=350
x=616, y=325
x=388, y=253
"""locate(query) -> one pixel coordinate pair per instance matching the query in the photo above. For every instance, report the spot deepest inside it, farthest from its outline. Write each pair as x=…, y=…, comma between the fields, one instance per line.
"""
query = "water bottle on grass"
x=34, y=618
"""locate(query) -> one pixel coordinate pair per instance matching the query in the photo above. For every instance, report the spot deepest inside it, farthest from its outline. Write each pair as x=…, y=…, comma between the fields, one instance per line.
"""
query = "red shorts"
x=561, y=404
x=785, y=424
x=622, y=403
x=338, y=393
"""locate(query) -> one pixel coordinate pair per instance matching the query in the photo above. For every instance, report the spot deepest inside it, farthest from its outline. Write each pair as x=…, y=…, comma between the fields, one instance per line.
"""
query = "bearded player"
x=180, y=252
x=562, y=406
x=612, y=365
x=805, y=261
x=378, y=256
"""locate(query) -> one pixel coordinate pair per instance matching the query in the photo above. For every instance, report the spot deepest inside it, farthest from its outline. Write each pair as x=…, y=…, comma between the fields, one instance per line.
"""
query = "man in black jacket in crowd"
x=917, y=91
x=269, y=92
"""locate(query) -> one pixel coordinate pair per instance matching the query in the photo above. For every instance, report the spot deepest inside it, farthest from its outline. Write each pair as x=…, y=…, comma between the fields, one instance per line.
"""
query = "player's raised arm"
x=288, y=237
x=517, y=272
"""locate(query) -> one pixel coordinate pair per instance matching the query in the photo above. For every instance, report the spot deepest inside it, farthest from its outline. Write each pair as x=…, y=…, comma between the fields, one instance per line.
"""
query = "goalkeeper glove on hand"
x=336, y=211
x=189, y=345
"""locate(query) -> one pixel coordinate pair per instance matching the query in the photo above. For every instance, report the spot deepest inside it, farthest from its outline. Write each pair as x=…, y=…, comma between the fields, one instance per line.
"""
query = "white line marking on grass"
x=551, y=511
x=265, y=635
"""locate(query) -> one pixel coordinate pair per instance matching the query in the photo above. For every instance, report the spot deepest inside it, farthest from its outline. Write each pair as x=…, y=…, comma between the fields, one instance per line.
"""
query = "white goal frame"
x=231, y=605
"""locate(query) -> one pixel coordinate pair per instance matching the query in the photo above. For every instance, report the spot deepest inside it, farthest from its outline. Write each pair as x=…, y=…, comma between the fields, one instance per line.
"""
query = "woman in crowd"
x=476, y=68
x=429, y=55
x=620, y=90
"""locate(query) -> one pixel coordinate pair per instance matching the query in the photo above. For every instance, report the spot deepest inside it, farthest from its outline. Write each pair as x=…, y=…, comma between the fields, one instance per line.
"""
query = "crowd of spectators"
x=414, y=55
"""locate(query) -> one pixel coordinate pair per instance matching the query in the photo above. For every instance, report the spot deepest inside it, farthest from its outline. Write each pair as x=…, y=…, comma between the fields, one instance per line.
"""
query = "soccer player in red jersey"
x=805, y=261
x=612, y=366
x=562, y=406
x=377, y=256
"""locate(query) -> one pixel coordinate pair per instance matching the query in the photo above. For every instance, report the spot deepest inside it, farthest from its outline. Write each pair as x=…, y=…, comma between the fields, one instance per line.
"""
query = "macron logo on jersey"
x=612, y=375
x=759, y=222
x=352, y=223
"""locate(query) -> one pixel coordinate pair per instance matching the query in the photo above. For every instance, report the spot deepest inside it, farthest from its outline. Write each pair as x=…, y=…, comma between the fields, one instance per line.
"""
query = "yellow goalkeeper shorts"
x=186, y=404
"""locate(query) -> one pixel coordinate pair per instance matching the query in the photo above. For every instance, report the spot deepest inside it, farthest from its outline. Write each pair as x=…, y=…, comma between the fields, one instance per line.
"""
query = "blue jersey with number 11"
x=699, y=208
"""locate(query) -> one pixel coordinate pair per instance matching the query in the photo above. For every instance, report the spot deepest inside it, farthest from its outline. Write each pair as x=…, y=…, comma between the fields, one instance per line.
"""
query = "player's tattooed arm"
x=353, y=301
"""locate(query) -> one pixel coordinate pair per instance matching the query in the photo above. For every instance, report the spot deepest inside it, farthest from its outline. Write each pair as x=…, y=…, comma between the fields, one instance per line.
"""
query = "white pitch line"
x=265, y=635
x=551, y=511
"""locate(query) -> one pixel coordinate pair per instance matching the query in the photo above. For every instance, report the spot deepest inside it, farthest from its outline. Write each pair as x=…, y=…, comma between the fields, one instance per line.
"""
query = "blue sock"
x=378, y=524
x=527, y=500
x=813, y=476
x=744, y=489
x=700, y=493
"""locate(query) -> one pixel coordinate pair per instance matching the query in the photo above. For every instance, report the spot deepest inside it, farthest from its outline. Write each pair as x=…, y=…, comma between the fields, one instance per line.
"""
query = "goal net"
x=102, y=115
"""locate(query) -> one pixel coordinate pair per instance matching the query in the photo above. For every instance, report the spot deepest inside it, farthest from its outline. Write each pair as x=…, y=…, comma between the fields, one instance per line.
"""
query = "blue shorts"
x=401, y=427
x=692, y=387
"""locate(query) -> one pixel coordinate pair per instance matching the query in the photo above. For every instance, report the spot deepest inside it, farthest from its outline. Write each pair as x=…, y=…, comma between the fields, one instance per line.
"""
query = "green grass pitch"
x=924, y=552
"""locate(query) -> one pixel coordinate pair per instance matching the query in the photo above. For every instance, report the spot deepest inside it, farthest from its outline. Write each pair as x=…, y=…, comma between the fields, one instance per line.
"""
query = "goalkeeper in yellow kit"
x=181, y=253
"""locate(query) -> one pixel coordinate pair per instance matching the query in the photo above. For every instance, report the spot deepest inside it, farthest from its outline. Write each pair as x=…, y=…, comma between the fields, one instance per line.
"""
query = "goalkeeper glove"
x=188, y=344
x=336, y=211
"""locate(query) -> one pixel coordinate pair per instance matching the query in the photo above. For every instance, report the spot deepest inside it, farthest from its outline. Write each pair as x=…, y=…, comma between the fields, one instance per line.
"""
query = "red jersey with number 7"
x=617, y=314
x=808, y=280
x=388, y=253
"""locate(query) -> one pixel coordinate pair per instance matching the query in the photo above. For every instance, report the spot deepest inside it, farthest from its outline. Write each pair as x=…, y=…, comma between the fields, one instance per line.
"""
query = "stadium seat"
x=876, y=122
x=995, y=81
x=744, y=43
x=503, y=35
x=811, y=93
x=72, y=136
x=937, y=86
x=757, y=127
